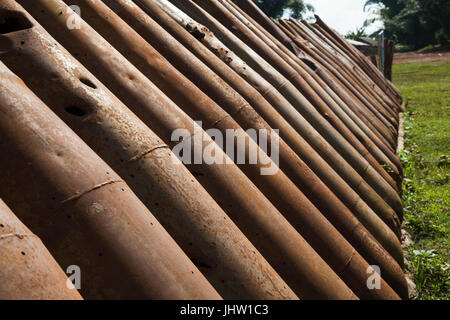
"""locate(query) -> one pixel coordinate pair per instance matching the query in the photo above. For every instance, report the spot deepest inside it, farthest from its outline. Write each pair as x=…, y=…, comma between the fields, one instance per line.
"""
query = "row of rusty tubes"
x=87, y=117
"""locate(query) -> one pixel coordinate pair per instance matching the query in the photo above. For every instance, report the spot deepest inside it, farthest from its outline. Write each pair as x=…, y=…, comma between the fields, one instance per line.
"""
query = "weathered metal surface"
x=27, y=269
x=297, y=171
x=81, y=209
x=298, y=101
x=395, y=166
x=314, y=161
x=351, y=176
x=272, y=186
x=338, y=75
x=294, y=249
x=307, y=86
x=190, y=215
x=352, y=70
x=362, y=212
x=294, y=61
x=345, y=70
x=294, y=246
x=332, y=76
x=256, y=13
x=299, y=201
x=287, y=111
x=267, y=23
x=370, y=69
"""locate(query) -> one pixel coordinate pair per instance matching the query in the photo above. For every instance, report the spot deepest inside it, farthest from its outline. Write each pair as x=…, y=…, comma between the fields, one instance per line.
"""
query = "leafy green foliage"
x=276, y=8
x=426, y=162
x=415, y=23
x=358, y=33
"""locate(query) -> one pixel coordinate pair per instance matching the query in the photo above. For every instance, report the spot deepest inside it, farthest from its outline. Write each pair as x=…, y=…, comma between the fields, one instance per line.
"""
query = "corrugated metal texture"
x=133, y=72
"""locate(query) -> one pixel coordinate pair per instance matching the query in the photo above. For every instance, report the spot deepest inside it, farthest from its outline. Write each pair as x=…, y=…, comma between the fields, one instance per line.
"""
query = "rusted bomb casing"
x=209, y=118
x=355, y=114
x=374, y=140
x=305, y=61
x=310, y=88
x=81, y=209
x=368, y=117
x=367, y=126
x=325, y=129
x=339, y=72
x=27, y=269
x=388, y=151
x=346, y=68
x=290, y=113
x=352, y=62
x=290, y=163
x=360, y=209
x=208, y=121
x=276, y=238
x=256, y=13
x=387, y=291
x=253, y=11
x=326, y=108
x=350, y=67
x=202, y=228
x=324, y=90
x=384, y=120
x=316, y=191
x=335, y=53
x=375, y=72
x=337, y=75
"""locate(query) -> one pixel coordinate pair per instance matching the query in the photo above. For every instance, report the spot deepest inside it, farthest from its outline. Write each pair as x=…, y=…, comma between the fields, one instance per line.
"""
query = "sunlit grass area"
x=426, y=160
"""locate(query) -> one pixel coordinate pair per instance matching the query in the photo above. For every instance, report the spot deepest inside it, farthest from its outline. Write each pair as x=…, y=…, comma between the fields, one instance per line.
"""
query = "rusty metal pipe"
x=303, y=82
x=348, y=64
x=366, y=115
x=264, y=224
x=335, y=76
x=300, y=103
x=256, y=13
x=196, y=222
x=150, y=31
x=309, y=45
x=27, y=270
x=319, y=110
x=353, y=110
x=296, y=170
x=293, y=59
x=339, y=70
x=272, y=28
x=351, y=69
x=359, y=68
x=368, y=128
x=301, y=125
x=316, y=162
x=370, y=67
x=348, y=61
x=294, y=140
x=80, y=208
x=356, y=269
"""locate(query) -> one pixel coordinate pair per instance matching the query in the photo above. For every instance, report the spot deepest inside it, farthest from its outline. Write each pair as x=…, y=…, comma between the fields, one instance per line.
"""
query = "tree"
x=276, y=8
x=358, y=33
x=416, y=23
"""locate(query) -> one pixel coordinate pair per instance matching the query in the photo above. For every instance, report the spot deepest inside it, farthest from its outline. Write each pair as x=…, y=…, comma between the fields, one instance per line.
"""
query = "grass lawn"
x=426, y=160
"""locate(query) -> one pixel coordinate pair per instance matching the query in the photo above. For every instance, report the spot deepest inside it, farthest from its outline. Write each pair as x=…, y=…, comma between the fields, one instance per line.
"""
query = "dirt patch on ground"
x=421, y=57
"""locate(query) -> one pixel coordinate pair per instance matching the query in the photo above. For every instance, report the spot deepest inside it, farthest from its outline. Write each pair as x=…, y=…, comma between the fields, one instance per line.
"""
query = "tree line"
x=413, y=23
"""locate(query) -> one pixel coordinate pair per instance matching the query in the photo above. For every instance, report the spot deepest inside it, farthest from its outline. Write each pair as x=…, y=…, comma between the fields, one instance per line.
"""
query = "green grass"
x=426, y=160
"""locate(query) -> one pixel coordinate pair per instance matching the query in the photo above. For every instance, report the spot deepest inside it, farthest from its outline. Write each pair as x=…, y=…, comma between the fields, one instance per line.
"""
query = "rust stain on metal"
x=128, y=76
